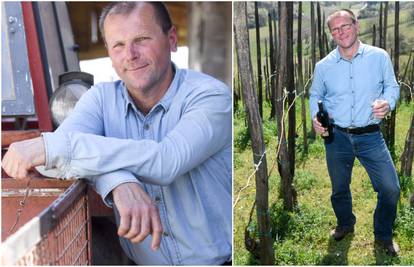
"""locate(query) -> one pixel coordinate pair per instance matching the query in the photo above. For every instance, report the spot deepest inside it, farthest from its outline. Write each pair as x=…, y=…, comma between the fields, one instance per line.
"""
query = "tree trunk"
x=380, y=27
x=235, y=94
x=301, y=89
x=374, y=35
x=312, y=133
x=405, y=93
x=385, y=26
x=276, y=52
x=320, y=41
x=396, y=71
x=284, y=163
x=272, y=69
x=407, y=155
x=387, y=124
x=266, y=73
x=259, y=61
x=256, y=132
x=290, y=85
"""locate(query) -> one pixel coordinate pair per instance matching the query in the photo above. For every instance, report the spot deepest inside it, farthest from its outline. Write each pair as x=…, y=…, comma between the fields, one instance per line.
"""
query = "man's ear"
x=173, y=39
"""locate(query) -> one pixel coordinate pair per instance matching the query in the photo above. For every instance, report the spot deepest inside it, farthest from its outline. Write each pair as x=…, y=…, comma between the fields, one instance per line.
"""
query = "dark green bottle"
x=323, y=118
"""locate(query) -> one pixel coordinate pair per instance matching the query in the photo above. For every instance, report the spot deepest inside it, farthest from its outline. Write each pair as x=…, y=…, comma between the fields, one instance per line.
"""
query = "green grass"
x=302, y=237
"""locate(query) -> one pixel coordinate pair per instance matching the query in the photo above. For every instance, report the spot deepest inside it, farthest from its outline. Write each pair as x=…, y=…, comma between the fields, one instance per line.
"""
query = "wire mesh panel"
x=65, y=232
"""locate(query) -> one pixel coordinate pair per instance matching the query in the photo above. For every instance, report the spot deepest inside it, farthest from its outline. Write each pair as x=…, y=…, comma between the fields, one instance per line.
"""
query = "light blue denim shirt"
x=180, y=152
x=348, y=88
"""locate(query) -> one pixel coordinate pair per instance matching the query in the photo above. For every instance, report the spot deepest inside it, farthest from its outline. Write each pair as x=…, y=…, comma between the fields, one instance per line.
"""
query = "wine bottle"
x=323, y=118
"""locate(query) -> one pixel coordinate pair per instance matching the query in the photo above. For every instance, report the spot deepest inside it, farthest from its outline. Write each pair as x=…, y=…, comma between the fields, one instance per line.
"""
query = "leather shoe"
x=340, y=232
x=390, y=247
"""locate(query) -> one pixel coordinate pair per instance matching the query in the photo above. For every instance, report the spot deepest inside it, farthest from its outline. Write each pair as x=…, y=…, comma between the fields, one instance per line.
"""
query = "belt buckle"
x=350, y=129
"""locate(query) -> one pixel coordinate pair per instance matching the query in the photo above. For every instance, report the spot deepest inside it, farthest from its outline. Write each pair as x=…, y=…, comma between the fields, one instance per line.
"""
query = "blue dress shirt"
x=348, y=88
x=180, y=152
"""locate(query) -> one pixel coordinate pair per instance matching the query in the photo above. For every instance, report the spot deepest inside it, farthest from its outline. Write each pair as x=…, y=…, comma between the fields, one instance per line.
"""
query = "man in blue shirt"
x=156, y=144
x=357, y=85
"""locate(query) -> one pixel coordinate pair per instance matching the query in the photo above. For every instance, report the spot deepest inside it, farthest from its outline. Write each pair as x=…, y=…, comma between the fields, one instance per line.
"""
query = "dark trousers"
x=371, y=151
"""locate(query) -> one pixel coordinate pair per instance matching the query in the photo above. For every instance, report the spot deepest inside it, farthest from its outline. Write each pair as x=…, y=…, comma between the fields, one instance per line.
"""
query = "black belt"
x=359, y=130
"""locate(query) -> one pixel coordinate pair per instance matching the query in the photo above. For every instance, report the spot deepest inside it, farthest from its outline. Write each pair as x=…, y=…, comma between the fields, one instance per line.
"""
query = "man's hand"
x=139, y=215
x=380, y=108
x=319, y=129
x=22, y=156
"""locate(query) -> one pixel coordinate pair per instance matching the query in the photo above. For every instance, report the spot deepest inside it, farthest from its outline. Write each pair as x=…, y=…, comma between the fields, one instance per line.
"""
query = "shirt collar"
x=165, y=101
x=360, y=51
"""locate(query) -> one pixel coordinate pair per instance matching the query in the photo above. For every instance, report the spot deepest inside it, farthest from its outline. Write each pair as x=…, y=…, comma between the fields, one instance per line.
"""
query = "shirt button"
x=146, y=127
x=157, y=199
x=351, y=77
x=165, y=234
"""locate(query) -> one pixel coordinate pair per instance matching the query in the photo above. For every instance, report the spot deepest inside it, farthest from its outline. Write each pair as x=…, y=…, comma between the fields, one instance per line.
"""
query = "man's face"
x=344, y=31
x=139, y=50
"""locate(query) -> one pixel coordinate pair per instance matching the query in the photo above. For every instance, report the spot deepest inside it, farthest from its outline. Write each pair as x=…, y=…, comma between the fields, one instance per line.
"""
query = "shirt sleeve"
x=317, y=91
x=203, y=129
x=105, y=183
x=391, y=87
x=87, y=118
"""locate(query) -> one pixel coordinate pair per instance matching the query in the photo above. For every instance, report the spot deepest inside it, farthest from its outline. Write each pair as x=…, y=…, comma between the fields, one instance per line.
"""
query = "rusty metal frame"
x=36, y=69
x=43, y=234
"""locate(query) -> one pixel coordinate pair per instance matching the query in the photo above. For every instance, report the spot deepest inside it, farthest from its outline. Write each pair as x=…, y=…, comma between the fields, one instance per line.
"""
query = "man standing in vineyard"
x=156, y=145
x=357, y=86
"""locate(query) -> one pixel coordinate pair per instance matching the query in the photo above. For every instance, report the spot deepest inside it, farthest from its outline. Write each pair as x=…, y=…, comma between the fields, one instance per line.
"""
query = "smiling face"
x=140, y=51
x=344, y=31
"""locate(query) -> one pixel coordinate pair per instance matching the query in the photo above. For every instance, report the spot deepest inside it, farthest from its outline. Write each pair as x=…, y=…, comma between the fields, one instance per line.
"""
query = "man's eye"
x=140, y=39
x=118, y=45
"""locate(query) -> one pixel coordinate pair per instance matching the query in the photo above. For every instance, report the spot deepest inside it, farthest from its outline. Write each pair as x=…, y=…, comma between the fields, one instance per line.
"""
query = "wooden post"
x=272, y=68
x=259, y=61
x=301, y=89
x=290, y=85
x=284, y=163
x=320, y=41
x=256, y=132
x=312, y=133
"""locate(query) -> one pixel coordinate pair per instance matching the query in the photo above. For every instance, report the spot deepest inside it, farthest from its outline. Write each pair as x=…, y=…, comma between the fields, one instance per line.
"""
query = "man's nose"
x=132, y=51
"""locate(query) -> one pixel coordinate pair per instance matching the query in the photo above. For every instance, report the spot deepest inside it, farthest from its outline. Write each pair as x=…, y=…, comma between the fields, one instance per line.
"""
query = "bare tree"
x=313, y=35
x=391, y=129
x=256, y=132
x=374, y=35
x=380, y=27
x=384, y=34
x=407, y=155
x=300, y=80
x=259, y=61
x=320, y=41
x=266, y=72
x=272, y=69
x=312, y=134
x=284, y=163
x=388, y=130
x=290, y=84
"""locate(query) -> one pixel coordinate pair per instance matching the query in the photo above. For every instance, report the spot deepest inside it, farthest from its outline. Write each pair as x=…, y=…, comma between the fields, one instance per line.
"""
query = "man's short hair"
x=161, y=13
x=338, y=14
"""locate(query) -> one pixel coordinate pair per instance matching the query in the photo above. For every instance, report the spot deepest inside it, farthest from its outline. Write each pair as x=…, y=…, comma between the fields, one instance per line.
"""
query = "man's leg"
x=375, y=157
x=340, y=159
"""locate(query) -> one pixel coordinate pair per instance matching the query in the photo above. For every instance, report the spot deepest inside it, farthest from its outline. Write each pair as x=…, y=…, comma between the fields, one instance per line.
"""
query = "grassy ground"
x=302, y=237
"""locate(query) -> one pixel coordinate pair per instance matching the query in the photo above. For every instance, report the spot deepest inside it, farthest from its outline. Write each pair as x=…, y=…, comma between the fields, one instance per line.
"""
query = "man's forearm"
x=77, y=154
